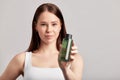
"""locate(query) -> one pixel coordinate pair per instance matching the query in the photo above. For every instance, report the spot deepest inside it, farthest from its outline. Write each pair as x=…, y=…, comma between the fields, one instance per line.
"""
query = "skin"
x=48, y=27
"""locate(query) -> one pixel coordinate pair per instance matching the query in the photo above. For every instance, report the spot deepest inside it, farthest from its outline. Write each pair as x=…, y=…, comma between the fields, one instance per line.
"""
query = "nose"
x=49, y=28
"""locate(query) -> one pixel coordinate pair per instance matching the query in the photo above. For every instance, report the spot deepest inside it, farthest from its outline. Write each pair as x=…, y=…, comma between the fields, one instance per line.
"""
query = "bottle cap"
x=69, y=36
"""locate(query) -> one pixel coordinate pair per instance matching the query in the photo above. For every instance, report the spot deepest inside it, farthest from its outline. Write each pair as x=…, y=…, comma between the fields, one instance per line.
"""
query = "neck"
x=48, y=48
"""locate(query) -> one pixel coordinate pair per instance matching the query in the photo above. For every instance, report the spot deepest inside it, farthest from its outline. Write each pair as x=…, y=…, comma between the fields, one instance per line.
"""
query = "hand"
x=72, y=69
x=63, y=65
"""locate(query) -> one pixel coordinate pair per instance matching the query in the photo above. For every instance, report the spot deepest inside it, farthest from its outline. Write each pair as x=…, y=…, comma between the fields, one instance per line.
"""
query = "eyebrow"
x=51, y=22
x=54, y=21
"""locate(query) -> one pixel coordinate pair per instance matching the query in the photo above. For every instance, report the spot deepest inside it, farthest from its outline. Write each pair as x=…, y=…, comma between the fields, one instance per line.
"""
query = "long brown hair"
x=35, y=40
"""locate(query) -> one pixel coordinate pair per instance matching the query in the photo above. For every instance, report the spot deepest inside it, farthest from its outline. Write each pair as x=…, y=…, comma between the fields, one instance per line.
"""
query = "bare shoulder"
x=20, y=57
x=18, y=61
x=14, y=68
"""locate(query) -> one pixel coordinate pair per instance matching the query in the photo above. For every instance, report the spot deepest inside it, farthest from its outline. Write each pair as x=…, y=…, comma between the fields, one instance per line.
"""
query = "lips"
x=48, y=36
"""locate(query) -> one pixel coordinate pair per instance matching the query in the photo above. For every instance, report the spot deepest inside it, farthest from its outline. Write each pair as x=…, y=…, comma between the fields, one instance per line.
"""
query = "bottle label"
x=66, y=48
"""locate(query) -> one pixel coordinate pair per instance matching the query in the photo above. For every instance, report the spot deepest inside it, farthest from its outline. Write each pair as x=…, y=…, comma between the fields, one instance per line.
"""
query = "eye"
x=43, y=24
x=54, y=24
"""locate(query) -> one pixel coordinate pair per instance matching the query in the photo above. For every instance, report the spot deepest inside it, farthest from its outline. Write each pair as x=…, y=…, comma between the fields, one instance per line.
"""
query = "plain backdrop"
x=95, y=25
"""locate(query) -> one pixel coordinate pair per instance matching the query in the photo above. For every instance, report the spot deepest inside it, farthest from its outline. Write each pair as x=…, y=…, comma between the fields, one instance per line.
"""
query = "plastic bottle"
x=66, y=48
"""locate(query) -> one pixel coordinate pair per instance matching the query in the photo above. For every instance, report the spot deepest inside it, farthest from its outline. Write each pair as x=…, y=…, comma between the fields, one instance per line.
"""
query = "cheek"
x=58, y=32
x=58, y=29
x=41, y=32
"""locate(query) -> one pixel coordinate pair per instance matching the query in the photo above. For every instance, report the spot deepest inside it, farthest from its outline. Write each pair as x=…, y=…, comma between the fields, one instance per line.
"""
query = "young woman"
x=40, y=61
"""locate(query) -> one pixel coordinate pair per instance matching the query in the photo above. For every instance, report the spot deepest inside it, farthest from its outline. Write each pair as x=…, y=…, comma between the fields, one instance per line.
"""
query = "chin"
x=50, y=41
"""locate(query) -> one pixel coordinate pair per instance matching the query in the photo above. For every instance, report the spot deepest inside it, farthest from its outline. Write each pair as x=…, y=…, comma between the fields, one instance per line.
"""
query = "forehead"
x=48, y=16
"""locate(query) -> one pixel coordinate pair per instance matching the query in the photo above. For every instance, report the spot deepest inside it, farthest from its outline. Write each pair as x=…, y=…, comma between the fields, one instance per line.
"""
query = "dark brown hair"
x=35, y=40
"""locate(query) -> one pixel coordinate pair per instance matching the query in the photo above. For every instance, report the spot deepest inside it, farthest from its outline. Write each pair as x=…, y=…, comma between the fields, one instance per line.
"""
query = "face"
x=48, y=27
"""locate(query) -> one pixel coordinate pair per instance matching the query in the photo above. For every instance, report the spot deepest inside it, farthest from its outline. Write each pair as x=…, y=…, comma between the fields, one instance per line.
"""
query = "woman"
x=40, y=61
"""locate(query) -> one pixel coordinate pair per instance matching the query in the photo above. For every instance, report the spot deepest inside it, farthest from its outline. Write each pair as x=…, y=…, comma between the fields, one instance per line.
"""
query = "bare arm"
x=14, y=68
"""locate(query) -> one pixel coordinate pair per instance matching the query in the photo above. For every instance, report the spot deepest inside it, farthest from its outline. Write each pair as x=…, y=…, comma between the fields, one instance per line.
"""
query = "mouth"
x=48, y=36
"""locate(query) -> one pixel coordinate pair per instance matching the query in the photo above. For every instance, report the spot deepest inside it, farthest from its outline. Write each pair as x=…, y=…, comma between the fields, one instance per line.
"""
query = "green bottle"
x=66, y=48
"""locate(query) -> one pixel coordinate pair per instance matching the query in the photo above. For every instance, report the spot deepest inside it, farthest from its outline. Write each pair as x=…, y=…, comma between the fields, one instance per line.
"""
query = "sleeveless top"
x=36, y=73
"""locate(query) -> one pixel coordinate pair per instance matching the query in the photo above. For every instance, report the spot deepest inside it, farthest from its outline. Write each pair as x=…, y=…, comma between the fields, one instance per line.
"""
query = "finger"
x=74, y=51
x=74, y=47
x=72, y=57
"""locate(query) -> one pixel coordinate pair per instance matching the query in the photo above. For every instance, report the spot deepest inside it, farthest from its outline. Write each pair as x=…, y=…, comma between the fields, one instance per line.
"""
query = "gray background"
x=95, y=25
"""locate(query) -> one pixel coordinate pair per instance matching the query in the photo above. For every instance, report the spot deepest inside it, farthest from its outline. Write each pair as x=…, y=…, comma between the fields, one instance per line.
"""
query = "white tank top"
x=36, y=73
